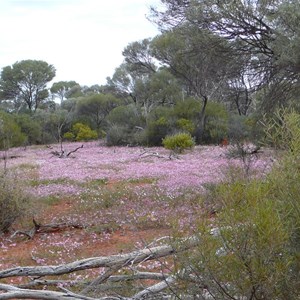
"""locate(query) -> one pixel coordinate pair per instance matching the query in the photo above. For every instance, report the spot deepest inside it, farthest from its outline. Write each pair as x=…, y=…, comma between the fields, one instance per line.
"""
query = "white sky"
x=82, y=39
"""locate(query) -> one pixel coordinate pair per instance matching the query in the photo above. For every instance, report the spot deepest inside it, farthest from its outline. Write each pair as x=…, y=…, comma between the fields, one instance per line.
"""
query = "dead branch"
x=18, y=293
x=113, y=279
x=91, y=263
x=134, y=257
x=73, y=151
x=62, y=154
x=101, y=279
x=48, y=228
x=113, y=263
x=148, y=153
x=156, y=288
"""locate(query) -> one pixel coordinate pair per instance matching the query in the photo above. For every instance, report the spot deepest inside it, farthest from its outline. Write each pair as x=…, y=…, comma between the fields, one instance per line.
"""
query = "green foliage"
x=159, y=125
x=25, y=82
x=60, y=89
x=250, y=250
x=30, y=127
x=125, y=126
x=10, y=132
x=178, y=142
x=247, y=251
x=13, y=201
x=189, y=109
x=81, y=132
x=70, y=136
x=244, y=128
x=282, y=130
x=185, y=125
x=216, y=123
x=95, y=108
x=53, y=124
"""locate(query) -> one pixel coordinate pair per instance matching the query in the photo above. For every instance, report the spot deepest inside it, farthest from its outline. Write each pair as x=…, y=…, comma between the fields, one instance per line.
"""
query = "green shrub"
x=178, y=142
x=189, y=109
x=243, y=128
x=70, y=136
x=216, y=124
x=160, y=124
x=10, y=132
x=13, y=201
x=250, y=250
x=81, y=132
x=117, y=135
x=186, y=125
x=125, y=126
x=30, y=127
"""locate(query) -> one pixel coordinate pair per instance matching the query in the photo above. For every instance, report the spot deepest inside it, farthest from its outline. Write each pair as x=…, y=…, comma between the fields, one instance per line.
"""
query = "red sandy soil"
x=22, y=251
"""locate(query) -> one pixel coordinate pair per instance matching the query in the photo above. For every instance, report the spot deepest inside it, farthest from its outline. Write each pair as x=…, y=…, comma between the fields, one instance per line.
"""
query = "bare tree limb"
x=62, y=154
x=73, y=151
x=156, y=288
x=47, y=228
x=101, y=279
x=134, y=257
x=18, y=293
x=113, y=278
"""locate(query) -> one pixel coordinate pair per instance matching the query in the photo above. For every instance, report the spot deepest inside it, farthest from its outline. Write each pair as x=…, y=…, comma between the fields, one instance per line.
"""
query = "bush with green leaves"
x=188, y=108
x=81, y=132
x=10, y=132
x=244, y=128
x=178, y=142
x=250, y=249
x=160, y=123
x=13, y=200
x=30, y=127
x=125, y=125
x=185, y=125
x=216, y=124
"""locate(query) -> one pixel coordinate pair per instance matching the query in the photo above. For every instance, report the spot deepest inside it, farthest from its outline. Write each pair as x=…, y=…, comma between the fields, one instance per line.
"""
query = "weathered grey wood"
x=112, y=262
x=154, y=289
x=17, y=293
x=113, y=278
x=90, y=263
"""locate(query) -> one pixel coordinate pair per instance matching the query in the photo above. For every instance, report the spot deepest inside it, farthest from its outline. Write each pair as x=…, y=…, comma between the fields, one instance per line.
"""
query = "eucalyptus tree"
x=60, y=89
x=268, y=31
x=25, y=83
x=140, y=79
x=138, y=65
x=96, y=107
x=138, y=56
x=199, y=60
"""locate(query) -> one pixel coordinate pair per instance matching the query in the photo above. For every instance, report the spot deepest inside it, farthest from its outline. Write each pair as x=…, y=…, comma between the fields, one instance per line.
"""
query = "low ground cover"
x=121, y=197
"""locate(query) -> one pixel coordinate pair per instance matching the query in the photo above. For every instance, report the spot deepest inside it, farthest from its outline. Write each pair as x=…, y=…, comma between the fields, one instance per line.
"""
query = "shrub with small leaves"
x=186, y=125
x=13, y=201
x=69, y=136
x=178, y=142
x=81, y=132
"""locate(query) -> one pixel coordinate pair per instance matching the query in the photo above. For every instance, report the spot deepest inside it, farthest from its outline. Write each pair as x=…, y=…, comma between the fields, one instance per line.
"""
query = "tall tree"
x=96, y=107
x=268, y=31
x=138, y=57
x=198, y=59
x=61, y=88
x=25, y=82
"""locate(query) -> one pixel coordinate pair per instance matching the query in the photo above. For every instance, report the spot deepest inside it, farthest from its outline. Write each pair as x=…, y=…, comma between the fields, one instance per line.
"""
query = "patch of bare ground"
x=67, y=243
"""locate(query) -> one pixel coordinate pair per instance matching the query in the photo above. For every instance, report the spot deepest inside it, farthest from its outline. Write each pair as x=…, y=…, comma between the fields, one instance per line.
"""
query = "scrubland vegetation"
x=177, y=179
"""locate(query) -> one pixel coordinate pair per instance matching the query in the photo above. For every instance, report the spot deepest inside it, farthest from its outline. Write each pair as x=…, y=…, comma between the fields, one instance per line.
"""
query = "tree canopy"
x=25, y=83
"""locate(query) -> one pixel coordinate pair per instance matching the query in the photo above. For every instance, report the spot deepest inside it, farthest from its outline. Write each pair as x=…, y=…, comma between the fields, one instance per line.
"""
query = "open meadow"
x=106, y=189
x=107, y=200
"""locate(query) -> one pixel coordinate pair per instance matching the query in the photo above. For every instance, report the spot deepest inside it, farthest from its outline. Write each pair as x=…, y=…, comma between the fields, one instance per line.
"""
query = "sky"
x=82, y=39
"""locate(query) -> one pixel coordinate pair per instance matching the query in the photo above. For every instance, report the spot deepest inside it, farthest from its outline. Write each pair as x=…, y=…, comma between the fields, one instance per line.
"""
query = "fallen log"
x=132, y=258
x=113, y=263
x=47, y=228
